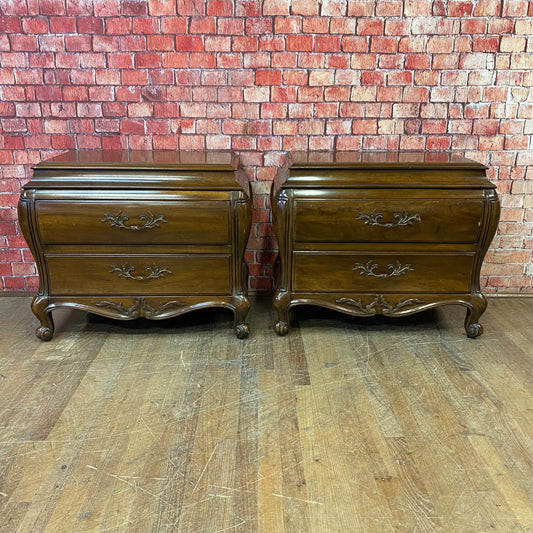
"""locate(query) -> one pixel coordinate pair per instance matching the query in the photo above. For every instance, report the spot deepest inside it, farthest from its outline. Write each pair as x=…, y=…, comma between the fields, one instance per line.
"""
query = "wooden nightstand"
x=382, y=233
x=138, y=234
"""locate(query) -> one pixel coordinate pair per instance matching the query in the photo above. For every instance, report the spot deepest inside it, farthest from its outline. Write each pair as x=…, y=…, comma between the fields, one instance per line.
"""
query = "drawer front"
x=177, y=222
x=343, y=272
x=400, y=220
x=139, y=275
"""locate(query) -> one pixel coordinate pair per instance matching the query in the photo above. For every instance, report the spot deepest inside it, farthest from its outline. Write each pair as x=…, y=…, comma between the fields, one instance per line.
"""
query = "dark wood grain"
x=382, y=233
x=138, y=234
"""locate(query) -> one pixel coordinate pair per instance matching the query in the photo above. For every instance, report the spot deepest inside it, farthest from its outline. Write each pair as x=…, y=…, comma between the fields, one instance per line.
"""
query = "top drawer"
x=130, y=222
x=388, y=220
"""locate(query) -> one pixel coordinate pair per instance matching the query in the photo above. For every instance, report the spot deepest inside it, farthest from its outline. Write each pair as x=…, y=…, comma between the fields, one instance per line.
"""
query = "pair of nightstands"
x=159, y=234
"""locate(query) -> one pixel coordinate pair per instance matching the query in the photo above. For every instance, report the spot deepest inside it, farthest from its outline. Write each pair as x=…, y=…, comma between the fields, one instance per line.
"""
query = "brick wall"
x=263, y=77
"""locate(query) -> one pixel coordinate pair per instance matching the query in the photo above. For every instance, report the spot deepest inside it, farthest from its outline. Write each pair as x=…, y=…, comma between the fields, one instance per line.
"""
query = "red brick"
x=440, y=45
x=171, y=25
x=329, y=43
x=244, y=44
x=512, y=44
x=352, y=43
x=361, y=8
x=217, y=43
x=486, y=8
x=370, y=26
x=500, y=25
x=189, y=43
x=23, y=43
x=78, y=43
x=340, y=62
x=316, y=25
x=364, y=61
x=271, y=44
x=229, y=61
x=90, y=25
x=438, y=143
x=412, y=44
x=515, y=8
x=389, y=8
x=460, y=8
x=404, y=77
x=34, y=25
x=486, y=44
x=105, y=44
x=197, y=60
x=284, y=59
x=473, y=26
x=51, y=7
x=231, y=26
x=161, y=7
x=134, y=77
x=417, y=61
x=204, y=94
x=190, y=7
x=10, y=25
x=384, y=45
x=268, y=77
x=259, y=26
x=283, y=94
x=304, y=7
x=333, y=8
x=389, y=94
x=495, y=94
x=299, y=43
x=276, y=7
x=416, y=8
x=445, y=62
x=373, y=78
x=48, y=93
x=62, y=24
x=398, y=27
x=349, y=143
x=63, y=142
x=313, y=61
x=45, y=60
x=160, y=42
x=220, y=8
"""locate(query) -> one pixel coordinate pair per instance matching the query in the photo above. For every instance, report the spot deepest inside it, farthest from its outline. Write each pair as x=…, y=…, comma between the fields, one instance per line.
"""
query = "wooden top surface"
x=381, y=160
x=164, y=169
x=309, y=170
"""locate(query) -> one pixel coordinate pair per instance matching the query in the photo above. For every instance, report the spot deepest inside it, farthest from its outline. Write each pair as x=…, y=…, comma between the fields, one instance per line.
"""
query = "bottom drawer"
x=349, y=272
x=139, y=274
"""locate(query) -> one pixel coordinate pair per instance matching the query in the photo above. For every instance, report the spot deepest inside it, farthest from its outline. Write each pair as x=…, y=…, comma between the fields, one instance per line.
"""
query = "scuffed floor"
x=344, y=425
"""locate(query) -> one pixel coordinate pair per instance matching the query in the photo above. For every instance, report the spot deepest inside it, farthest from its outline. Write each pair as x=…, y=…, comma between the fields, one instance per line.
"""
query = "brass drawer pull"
x=150, y=221
x=126, y=271
x=402, y=219
x=395, y=269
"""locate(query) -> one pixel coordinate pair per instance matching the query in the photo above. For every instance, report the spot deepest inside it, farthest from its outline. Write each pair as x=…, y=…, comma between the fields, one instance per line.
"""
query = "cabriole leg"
x=240, y=328
x=46, y=330
x=472, y=326
x=281, y=327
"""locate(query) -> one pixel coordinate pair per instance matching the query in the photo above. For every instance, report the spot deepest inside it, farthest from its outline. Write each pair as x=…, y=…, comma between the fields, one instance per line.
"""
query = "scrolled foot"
x=474, y=330
x=44, y=333
x=241, y=331
x=281, y=328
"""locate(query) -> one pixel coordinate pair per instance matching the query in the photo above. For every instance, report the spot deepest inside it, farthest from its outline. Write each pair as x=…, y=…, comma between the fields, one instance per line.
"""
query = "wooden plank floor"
x=345, y=425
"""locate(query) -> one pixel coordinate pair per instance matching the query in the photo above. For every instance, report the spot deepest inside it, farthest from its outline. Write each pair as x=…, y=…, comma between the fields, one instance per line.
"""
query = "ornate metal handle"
x=126, y=271
x=119, y=221
x=395, y=270
x=402, y=219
